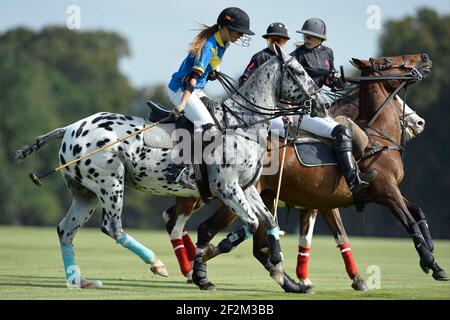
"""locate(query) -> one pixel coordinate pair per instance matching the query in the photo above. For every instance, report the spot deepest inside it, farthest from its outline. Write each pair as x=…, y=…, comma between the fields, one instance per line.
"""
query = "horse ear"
x=280, y=52
x=359, y=63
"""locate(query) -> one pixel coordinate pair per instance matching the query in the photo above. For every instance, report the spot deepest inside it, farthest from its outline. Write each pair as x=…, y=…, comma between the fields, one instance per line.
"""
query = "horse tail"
x=40, y=141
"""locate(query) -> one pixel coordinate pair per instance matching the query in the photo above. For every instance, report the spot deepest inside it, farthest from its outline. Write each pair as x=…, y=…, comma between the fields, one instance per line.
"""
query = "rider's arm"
x=190, y=81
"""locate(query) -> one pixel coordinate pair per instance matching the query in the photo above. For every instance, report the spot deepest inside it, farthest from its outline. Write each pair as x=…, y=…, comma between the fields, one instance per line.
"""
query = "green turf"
x=31, y=268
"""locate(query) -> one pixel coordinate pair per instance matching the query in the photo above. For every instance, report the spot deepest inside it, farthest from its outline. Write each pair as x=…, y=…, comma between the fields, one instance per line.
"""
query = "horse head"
x=295, y=85
x=280, y=81
x=415, y=66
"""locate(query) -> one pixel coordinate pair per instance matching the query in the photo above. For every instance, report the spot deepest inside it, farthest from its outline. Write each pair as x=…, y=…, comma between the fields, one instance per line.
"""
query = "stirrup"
x=181, y=179
x=362, y=183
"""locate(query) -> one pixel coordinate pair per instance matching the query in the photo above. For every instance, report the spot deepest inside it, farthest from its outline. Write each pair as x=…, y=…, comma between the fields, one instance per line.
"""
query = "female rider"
x=186, y=85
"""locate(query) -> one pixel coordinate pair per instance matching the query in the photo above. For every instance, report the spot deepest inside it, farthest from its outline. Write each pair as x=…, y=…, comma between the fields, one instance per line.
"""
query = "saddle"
x=161, y=137
x=313, y=151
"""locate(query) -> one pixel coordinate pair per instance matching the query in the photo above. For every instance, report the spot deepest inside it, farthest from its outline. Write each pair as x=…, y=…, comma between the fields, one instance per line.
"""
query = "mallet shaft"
x=36, y=180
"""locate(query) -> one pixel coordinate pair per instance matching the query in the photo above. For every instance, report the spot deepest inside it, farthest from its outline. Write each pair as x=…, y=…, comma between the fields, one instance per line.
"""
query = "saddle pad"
x=159, y=136
x=315, y=154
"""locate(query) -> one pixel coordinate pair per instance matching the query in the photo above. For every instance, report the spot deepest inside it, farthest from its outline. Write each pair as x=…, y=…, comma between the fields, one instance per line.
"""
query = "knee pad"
x=342, y=138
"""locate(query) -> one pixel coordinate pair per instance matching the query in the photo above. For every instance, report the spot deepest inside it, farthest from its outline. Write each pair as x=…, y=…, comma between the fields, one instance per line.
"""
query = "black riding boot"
x=342, y=142
x=182, y=173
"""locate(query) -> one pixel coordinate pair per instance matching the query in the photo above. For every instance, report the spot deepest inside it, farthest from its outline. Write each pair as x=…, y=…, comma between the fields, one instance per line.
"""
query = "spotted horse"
x=101, y=178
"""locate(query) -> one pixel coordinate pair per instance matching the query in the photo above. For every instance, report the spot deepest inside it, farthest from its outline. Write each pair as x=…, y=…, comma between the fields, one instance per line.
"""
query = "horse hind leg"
x=111, y=199
x=83, y=205
x=176, y=218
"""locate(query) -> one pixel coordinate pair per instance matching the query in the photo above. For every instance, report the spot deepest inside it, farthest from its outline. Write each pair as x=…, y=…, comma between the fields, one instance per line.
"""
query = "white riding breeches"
x=319, y=126
x=195, y=110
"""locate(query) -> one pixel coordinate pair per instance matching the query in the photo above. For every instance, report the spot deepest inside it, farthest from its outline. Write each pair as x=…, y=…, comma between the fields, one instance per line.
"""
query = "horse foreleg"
x=420, y=218
x=394, y=201
x=334, y=222
x=176, y=218
x=307, y=219
x=234, y=198
x=222, y=218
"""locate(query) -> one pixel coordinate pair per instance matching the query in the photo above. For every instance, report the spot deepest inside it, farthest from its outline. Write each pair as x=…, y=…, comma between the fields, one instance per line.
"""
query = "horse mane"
x=346, y=104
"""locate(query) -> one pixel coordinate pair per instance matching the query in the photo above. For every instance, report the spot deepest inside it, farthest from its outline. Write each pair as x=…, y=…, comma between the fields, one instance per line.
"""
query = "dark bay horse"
x=315, y=187
x=175, y=217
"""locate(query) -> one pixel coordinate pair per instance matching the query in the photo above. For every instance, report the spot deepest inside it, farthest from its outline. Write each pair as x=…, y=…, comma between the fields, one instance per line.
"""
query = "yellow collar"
x=219, y=39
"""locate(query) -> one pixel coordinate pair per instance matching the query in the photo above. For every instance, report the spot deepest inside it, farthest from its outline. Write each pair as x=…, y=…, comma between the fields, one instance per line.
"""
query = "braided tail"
x=40, y=141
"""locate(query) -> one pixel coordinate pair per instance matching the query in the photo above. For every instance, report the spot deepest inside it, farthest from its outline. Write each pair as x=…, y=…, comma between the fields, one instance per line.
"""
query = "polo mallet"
x=36, y=179
x=283, y=156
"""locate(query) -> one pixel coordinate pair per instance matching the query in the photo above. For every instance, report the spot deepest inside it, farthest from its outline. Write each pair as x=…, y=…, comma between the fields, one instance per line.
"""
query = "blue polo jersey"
x=210, y=59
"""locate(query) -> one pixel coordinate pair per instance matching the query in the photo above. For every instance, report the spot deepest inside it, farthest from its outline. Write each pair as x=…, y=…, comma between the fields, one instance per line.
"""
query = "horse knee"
x=252, y=226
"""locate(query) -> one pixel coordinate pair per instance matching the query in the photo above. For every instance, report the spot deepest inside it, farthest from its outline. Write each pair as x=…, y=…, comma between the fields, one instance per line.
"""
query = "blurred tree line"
x=55, y=76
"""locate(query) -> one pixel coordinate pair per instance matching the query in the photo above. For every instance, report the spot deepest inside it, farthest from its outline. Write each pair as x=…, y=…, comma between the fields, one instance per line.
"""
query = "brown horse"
x=315, y=187
x=177, y=216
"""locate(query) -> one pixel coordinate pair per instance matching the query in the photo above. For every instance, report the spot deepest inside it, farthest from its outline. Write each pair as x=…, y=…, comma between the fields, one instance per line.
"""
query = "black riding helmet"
x=277, y=29
x=314, y=27
x=235, y=19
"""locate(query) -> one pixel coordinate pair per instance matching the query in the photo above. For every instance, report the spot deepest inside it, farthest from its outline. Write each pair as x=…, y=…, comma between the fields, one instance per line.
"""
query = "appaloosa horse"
x=316, y=187
x=176, y=216
x=101, y=178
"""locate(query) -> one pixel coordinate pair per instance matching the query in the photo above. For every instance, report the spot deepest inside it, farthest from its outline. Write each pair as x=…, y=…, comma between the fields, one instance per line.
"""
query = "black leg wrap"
x=232, y=240
x=291, y=286
x=423, y=226
x=275, y=256
x=426, y=258
x=199, y=275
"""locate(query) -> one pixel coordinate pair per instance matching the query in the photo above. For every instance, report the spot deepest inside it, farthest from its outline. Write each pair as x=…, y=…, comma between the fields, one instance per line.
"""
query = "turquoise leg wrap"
x=247, y=232
x=274, y=232
x=69, y=263
x=131, y=244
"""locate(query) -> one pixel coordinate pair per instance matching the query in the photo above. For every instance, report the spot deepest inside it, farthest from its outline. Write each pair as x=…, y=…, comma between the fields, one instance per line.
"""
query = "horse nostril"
x=420, y=123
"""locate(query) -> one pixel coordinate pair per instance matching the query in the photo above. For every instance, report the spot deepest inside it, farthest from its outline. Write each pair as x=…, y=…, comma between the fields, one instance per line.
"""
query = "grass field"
x=31, y=268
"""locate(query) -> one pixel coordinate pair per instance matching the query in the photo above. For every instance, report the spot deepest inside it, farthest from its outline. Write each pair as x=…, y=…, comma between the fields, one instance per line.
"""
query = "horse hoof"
x=277, y=273
x=158, y=268
x=440, y=275
x=306, y=282
x=360, y=285
x=207, y=286
x=308, y=290
x=189, y=277
x=210, y=252
x=88, y=284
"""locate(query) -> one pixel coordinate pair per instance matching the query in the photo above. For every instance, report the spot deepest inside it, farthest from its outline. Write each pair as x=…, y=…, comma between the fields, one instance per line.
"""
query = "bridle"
x=411, y=75
x=228, y=84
